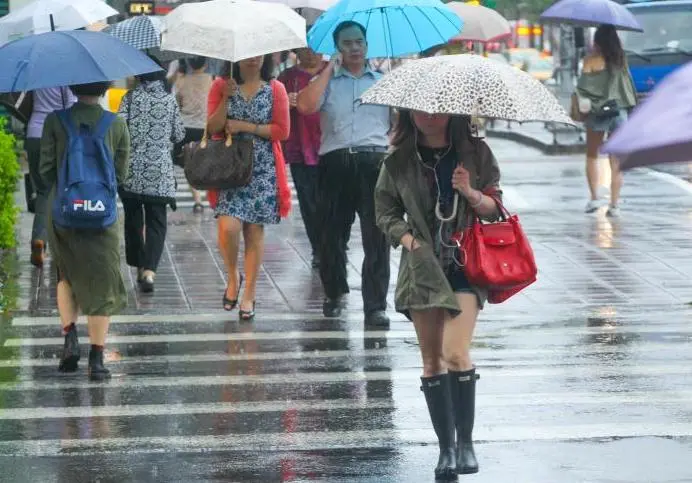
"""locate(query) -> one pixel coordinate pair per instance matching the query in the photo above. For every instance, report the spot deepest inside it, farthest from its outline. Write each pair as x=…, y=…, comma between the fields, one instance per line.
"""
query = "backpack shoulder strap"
x=104, y=124
x=66, y=121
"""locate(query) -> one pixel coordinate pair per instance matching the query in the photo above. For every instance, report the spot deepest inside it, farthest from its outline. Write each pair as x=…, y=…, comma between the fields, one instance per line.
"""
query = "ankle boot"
x=463, y=387
x=97, y=371
x=439, y=401
x=70, y=351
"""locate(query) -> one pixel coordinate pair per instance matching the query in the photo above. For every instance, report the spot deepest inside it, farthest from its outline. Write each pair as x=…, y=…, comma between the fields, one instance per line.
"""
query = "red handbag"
x=497, y=256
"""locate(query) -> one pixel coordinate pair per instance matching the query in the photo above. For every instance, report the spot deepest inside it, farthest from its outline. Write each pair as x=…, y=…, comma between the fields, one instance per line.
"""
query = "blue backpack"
x=86, y=193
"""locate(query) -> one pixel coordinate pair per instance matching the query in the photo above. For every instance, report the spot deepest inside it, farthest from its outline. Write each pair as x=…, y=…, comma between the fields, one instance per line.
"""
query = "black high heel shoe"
x=229, y=304
x=247, y=315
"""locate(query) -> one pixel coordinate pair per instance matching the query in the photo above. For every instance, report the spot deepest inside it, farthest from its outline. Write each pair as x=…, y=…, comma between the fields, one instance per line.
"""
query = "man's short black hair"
x=343, y=26
x=96, y=89
x=159, y=75
x=196, y=63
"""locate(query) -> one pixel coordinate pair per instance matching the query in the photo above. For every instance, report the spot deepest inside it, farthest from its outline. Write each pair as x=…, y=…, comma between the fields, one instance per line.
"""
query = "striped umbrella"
x=142, y=32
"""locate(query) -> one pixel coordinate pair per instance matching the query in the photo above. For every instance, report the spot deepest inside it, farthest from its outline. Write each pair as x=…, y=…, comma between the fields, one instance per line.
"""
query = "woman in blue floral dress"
x=250, y=104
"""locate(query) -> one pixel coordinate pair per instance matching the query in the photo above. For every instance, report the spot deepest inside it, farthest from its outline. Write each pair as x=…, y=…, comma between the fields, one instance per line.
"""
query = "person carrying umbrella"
x=88, y=262
x=606, y=91
x=353, y=145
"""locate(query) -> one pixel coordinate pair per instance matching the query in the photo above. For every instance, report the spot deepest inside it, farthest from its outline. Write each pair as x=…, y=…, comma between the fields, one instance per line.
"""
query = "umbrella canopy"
x=57, y=59
x=467, y=84
x=35, y=18
x=395, y=28
x=591, y=13
x=660, y=130
x=142, y=32
x=232, y=30
x=300, y=4
x=481, y=24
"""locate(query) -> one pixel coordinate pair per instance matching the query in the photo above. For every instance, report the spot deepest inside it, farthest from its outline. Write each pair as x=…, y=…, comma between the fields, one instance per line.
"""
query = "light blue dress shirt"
x=345, y=122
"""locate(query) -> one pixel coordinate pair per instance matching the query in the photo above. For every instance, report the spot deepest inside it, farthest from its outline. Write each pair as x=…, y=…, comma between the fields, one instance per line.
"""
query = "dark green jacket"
x=404, y=204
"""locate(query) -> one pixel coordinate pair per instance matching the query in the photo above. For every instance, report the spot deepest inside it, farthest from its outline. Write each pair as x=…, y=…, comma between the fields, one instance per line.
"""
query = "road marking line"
x=669, y=178
x=352, y=334
x=482, y=356
x=220, y=337
x=355, y=316
x=120, y=382
x=410, y=403
x=305, y=441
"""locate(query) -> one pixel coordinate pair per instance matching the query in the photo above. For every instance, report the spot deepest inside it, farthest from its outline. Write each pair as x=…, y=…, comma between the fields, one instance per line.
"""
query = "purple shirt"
x=46, y=101
x=303, y=143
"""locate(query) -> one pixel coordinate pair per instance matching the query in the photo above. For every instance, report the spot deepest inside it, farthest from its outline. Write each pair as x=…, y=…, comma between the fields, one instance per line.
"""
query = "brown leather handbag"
x=219, y=164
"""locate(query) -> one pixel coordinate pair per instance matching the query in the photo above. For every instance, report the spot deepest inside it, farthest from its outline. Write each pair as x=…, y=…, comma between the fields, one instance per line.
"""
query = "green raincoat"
x=88, y=260
x=404, y=204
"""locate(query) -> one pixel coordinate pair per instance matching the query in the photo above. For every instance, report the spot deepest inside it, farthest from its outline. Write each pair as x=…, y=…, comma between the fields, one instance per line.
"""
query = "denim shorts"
x=457, y=279
x=606, y=124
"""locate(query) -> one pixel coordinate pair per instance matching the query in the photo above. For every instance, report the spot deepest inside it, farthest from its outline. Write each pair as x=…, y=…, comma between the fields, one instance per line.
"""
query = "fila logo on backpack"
x=86, y=193
x=88, y=205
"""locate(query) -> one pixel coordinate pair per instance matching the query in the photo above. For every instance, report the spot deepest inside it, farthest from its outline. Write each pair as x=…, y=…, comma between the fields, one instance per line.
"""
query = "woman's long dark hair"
x=266, y=72
x=405, y=129
x=608, y=42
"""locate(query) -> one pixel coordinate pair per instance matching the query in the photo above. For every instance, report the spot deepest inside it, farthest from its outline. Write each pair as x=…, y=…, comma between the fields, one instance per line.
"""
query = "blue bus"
x=665, y=44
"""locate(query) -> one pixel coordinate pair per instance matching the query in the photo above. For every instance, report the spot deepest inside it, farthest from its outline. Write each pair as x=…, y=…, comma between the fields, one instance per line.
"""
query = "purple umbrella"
x=591, y=13
x=660, y=130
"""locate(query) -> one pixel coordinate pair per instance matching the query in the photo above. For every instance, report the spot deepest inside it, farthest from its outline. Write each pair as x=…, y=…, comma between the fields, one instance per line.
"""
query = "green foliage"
x=9, y=175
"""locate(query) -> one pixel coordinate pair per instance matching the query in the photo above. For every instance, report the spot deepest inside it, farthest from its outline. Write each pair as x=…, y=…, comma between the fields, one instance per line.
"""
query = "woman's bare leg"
x=254, y=252
x=229, y=229
x=67, y=306
x=594, y=140
x=97, y=326
x=616, y=181
x=456, y=352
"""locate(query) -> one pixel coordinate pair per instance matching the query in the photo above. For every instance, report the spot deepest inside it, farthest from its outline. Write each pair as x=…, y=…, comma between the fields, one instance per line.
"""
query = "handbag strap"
x=204, y=142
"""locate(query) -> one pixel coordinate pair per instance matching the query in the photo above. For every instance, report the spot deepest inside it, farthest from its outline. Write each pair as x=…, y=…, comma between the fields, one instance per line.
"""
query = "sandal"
x=229, y=304
x=247, y=314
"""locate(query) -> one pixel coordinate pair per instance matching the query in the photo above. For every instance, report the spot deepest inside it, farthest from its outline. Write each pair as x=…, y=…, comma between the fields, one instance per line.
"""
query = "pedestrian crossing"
x=191, y=384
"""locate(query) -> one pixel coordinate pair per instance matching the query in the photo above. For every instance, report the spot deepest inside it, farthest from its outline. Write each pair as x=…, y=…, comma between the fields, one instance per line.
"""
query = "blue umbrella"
x=56, y=59
x=395, y=28
x=591, y=13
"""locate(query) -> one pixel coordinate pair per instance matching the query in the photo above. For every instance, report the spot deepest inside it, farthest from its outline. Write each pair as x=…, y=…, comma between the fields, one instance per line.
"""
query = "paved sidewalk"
x=585, y=261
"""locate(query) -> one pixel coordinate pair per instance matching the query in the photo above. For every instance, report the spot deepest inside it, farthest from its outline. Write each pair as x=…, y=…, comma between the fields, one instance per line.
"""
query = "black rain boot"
x=439, y=401
x=97, y=371
x=70, y=352
x=464, y=398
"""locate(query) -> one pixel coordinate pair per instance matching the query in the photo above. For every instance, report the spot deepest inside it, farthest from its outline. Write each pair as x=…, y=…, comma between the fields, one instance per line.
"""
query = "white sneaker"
x=593, y=205
x=613, y=211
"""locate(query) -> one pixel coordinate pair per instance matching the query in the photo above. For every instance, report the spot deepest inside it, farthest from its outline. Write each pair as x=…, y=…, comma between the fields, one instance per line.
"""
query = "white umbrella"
x=481, y=24
x=467, y=84
x=45, y=15
x=312, y=4
x=232, y=30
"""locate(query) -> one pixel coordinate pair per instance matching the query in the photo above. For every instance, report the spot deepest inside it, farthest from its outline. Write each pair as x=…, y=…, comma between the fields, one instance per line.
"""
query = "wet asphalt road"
x=585, y=377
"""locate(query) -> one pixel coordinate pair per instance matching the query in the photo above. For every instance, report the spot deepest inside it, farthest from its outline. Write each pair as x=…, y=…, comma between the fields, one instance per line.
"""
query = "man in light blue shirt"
x=353, y=145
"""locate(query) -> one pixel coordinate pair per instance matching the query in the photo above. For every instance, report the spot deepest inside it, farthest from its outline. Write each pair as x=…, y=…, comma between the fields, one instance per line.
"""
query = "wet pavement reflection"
x=586, y=376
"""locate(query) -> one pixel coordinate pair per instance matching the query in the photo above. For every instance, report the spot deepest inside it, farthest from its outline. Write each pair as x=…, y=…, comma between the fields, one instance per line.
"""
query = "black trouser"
x=305, y=180
x=143, y=250
x=347, y=186
x=33, y=152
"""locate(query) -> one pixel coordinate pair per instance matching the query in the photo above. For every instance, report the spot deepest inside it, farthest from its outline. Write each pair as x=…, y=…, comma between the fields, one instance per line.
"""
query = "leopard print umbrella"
x=467, y=84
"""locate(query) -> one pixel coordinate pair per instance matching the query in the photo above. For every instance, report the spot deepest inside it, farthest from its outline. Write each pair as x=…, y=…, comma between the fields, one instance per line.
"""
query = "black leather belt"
x=363, y=149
